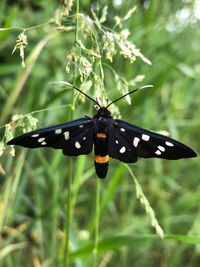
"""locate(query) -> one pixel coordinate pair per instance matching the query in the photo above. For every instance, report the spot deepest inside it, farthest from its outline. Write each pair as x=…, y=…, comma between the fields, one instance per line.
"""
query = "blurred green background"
x=33, y=189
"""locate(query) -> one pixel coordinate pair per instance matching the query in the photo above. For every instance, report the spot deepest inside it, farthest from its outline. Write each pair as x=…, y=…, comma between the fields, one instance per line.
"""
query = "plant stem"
x=68, y=212
x=97, y=222
x=69, y=189
x=98, y=192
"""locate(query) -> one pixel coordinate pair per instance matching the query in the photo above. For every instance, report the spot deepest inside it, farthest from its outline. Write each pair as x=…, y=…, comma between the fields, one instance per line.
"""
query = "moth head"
x=103, y=112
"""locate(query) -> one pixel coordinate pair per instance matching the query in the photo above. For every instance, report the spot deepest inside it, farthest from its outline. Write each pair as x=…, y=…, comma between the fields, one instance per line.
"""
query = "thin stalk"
x=69, y=189
x=96, y=246
x=144, y=201
x=69, y=213
x=98, y=192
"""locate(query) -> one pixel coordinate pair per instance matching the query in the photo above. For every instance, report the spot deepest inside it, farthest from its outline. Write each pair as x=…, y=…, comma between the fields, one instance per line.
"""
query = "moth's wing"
x=74, y=137
x=127, y=142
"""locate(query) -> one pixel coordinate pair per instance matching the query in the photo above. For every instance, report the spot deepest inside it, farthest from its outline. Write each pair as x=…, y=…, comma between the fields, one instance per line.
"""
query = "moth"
x=111, y=138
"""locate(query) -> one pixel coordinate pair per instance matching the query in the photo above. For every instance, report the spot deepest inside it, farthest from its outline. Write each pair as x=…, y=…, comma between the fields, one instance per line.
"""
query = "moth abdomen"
x=101, y=165
x=101, y=158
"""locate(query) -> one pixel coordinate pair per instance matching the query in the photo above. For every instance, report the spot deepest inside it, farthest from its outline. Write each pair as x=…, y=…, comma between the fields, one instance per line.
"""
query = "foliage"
x=105, y=50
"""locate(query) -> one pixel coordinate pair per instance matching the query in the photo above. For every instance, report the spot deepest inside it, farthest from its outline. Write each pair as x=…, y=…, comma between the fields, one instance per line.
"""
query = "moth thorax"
x=102, y=122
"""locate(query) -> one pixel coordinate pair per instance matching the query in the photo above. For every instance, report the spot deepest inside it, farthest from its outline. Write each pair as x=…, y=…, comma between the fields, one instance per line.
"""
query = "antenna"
x=135, y=90
x=71, y=85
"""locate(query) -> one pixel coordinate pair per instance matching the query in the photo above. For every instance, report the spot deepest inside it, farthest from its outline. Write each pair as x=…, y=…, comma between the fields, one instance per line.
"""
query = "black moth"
x=111, y=138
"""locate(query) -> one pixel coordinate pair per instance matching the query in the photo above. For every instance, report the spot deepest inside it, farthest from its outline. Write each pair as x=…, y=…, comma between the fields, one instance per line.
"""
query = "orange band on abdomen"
x=102, y=135
x=100, y=159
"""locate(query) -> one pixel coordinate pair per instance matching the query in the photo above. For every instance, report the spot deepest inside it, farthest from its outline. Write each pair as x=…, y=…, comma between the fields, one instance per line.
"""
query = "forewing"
x=127, y=142
x=74, y=137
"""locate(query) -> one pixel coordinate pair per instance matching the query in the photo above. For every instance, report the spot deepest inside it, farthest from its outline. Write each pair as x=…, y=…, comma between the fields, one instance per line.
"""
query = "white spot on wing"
x=58, y=131
x=158, y=152
x=168, y=143
x=84, y=137
x=136, y=140
x=122, y=129
x=43, y=143
x=161, y=148
x=80, y=126
x=122, y=150
x=145, y=137
x=66, y=134
x=40, y=140
x=34, y=135
x=116, y=142
x=77, y=145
